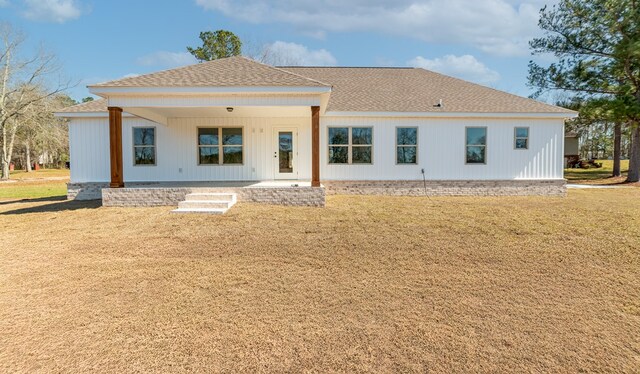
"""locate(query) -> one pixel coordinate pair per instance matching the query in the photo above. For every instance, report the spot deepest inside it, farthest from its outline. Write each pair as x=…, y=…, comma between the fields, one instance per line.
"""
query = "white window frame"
x=466, y=145
x=219, y=145
x=407, y=145
x=516, y=137
x=134, y=146
x=350, y=145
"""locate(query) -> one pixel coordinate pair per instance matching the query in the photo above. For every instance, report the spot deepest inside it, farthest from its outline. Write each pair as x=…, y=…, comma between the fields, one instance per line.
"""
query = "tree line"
x=596, y=44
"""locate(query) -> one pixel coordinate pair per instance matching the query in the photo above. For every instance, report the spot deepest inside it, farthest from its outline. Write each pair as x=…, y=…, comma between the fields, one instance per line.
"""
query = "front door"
x=285, y=153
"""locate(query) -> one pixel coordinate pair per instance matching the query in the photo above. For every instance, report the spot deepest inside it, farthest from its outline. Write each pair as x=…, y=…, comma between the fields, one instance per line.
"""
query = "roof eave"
x=443, y=114
x=105, y=91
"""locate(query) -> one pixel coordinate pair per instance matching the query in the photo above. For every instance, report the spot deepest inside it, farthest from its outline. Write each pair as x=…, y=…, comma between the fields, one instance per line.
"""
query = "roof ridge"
x=286, y=71
x=344, y=67
x=157, y=72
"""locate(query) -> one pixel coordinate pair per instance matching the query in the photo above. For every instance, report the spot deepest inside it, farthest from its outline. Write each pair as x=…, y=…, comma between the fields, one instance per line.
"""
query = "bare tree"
x=24, y=82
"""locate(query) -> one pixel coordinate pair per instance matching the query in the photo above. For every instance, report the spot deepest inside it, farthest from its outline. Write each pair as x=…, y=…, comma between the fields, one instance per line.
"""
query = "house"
x=571, y=148
x=290, y=135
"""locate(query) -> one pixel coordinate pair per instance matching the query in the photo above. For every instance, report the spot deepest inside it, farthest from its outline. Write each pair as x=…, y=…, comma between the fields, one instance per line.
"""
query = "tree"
x=24, y=82
x=217, y=44
x=87, y=99
x=597, y=44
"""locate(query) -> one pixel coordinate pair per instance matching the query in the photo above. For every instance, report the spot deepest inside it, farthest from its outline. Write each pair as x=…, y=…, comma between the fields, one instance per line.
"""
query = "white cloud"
x=501, y=27
x=58, y=11
x=167, y=59
x=465, y=67
x=284, y=53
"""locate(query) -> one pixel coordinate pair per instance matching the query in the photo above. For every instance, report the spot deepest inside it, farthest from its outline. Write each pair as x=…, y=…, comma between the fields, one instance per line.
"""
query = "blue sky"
x=484, y=41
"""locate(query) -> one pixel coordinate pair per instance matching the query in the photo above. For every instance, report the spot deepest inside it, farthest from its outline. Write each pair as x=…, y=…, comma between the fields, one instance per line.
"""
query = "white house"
x=291, y=134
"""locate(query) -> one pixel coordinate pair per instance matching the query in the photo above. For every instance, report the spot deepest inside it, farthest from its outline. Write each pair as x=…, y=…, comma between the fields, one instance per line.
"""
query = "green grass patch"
x=597, y=174
x=19, y=190
x=42, y=173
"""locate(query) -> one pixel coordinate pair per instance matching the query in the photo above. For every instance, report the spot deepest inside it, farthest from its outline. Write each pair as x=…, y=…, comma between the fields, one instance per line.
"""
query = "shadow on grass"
x=63, y=205
x=34, y=200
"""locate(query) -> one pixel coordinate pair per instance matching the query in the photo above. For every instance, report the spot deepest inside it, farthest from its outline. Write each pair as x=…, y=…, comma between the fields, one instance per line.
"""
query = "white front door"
x=285, y=153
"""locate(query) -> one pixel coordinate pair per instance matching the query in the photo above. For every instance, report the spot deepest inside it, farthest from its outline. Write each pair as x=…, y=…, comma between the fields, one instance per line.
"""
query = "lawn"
x=391, y=284
x=597, y=175
x=41, y=184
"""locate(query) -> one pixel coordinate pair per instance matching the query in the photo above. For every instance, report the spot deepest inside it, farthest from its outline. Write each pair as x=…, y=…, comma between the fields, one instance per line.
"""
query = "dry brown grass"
x=393, y=284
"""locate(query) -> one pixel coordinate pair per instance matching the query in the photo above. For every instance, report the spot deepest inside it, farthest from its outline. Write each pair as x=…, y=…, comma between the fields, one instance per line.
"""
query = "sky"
x=483, y=41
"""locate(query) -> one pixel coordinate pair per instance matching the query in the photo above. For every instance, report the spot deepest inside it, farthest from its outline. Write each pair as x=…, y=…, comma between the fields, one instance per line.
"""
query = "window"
x=476, y=145
x=350, y=145
x=406, y=145
x=144, y=146
x=521, y=138
x=219, y=145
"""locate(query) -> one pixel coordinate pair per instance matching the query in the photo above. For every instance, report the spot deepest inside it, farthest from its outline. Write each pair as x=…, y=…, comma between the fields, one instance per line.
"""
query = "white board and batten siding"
x=441, y=149
x=177, y=152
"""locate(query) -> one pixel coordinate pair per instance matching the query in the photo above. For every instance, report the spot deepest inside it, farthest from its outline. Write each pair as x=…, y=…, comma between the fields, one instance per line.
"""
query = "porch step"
x=211, y=196
x=210, y=203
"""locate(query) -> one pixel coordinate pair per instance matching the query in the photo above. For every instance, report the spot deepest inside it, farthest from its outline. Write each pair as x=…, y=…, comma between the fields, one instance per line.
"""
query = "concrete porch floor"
x=221, y=184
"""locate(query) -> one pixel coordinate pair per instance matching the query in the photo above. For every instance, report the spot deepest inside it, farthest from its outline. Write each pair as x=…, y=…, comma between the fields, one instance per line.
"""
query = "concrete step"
x=210, y=204
x=200, y=210
x=207, y=203
x=201, y=196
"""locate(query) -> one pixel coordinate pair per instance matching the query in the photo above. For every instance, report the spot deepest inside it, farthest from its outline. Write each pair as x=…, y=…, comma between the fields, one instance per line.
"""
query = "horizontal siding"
x=441, y=150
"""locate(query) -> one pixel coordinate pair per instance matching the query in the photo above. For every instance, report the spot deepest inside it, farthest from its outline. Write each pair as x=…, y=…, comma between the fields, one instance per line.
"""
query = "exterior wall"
x=176, y=150
x=163, y=196
x=441, y=150
x=89, y=150
x=571, y=146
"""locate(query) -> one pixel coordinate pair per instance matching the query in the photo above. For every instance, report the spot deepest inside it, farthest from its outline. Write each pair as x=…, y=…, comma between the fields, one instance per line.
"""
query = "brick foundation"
x=85, y=191
x=171, y=196
x=310, y=196
x=448, y=187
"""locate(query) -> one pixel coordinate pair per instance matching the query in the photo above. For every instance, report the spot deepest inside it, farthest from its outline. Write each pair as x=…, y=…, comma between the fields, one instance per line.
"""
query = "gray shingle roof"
x=369, y=89
x=224, y=72
x=415, y=90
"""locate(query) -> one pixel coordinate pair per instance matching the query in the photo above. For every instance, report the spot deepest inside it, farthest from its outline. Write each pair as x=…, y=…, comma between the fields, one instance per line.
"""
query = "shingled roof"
x=373, y=89
x=225, y=72
x=353, y=89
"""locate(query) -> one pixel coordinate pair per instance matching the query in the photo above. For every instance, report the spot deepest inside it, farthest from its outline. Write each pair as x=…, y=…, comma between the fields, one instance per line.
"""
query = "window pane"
x=476, y=136
x=522, y=143
x=407, y=136
x=208, y=155
x=143, y=136
x=361, y=135
x=406, y=155
x=522, y=132
x=232, y=136
x=338, y=135
x=475, y=155
x=232, y=155
x=338, y=155
x=361, y=155
x=208, y=136
x=144, y=155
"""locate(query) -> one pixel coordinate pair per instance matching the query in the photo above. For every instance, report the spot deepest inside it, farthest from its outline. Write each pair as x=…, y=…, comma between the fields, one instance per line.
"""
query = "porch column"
x=315, y=146
x=115, y=146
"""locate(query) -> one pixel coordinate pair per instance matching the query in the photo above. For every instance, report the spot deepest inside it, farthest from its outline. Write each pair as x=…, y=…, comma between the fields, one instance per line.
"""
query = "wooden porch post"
x=115, y=146
x=315, y=146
